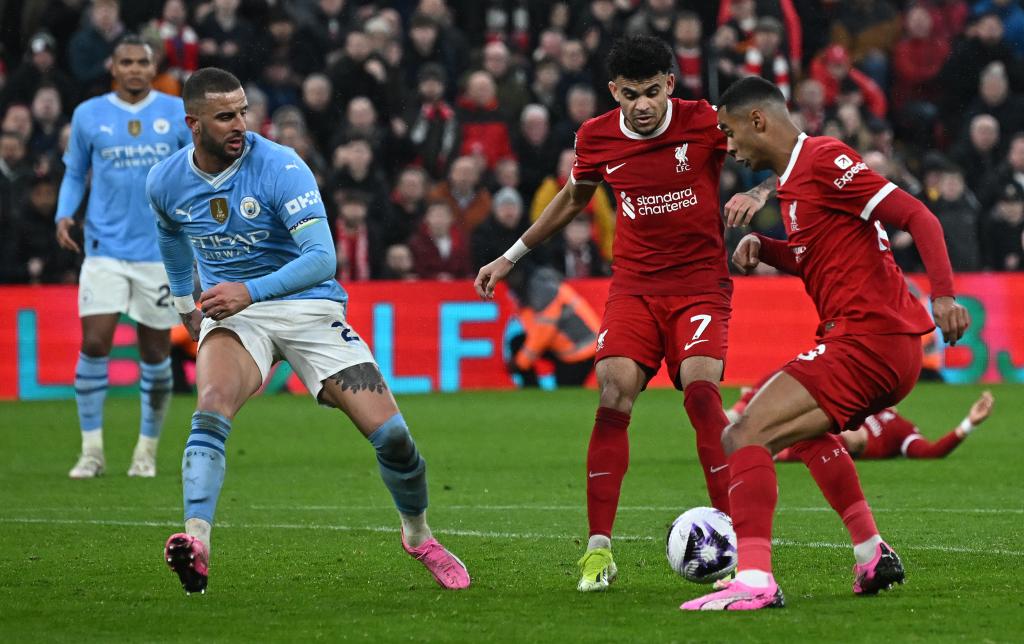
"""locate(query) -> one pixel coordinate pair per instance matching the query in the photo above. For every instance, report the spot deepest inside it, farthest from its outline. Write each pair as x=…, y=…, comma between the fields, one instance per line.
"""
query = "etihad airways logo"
x=143, y=154
x=667, y=202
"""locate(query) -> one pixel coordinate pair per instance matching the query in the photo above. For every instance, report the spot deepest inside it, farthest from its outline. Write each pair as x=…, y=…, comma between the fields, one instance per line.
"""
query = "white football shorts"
x=312, y=335
x=139, y=289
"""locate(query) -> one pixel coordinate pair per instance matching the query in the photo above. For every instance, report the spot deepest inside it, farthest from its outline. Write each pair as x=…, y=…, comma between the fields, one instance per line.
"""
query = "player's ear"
x=192, y=123
x=614, y=90
x=670, y=83
x=757, y=119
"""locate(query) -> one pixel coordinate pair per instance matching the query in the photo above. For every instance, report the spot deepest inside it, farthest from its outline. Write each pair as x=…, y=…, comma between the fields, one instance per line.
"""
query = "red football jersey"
x=828, y=195
x=669, y=230
x=889, y=434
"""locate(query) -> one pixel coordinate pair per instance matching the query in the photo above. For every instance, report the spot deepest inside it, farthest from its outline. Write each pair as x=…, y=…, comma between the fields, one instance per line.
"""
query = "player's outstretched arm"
x=901, y=210
x=979, y=411
x=742, y=206
x=568, y=203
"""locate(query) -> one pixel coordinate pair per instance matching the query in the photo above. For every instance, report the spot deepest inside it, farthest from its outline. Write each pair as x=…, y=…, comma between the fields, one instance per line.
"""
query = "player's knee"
x=96, y=346
x=214, y=398
x=740, y=434
x=392, y=441
x=615, y=396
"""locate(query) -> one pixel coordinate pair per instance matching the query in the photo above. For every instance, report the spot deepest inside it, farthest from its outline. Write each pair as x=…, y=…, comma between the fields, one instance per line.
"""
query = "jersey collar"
x=792, y=157
x=133, y=108
x=218, y=180
x=637, y=136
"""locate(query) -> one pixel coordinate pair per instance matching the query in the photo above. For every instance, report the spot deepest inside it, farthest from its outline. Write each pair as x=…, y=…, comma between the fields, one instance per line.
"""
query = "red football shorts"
x=854, y=376
x=650, y=328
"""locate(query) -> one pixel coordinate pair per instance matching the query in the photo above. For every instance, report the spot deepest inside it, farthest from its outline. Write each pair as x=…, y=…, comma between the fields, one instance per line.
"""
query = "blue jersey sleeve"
x=77, y=160
x=297, y=202
x=175, y=248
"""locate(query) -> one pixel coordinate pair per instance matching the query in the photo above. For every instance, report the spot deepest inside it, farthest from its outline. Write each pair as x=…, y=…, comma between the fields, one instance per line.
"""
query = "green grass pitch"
x=306, y=545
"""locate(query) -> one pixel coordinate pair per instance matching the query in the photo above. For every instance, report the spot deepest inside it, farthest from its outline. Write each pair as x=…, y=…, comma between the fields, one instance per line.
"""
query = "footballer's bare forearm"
x=568, y=203
x=764, y=189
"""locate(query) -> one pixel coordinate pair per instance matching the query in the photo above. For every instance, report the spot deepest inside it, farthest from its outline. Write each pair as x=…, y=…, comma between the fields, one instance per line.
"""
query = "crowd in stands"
x=438, y=130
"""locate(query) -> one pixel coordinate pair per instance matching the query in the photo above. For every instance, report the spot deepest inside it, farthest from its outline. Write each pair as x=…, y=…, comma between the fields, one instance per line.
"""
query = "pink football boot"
x=739, y=596
x=189, y=557
x=447, y=569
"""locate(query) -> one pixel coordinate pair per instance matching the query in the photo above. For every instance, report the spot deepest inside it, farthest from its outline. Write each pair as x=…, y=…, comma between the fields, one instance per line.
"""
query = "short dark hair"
x=131, y=38
x=639, y=57
x=208, y=80
x=748, y=90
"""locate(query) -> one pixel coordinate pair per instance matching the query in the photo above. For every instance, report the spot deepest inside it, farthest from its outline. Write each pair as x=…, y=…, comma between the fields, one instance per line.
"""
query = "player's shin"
x=753, y=493
x=90, y=394
x=404, y=473
x=703, y=403
x=835, y=474
x=202, y=471
x=607, y=462
x=155, y=386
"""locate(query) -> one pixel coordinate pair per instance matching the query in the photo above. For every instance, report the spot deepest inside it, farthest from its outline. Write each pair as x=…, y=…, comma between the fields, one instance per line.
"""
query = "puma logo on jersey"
x=291, y=166
x=109, y=129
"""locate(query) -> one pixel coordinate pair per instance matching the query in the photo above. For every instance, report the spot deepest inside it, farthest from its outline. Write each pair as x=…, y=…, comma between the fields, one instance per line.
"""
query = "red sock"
x=833, y=470
x=607, y=462
x=703, y=404
x=753, y=493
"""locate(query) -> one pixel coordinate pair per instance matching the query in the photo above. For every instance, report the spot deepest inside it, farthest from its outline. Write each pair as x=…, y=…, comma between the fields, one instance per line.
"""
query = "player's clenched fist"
x=224, y=300
x=747, y=254
x=951, y=317
x=490, y=275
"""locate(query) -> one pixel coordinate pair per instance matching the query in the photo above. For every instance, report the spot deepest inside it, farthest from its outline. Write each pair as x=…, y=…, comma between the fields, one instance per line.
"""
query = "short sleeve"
x=586, y=169
x=847, y=184
x=297, y=198
x=709, y=113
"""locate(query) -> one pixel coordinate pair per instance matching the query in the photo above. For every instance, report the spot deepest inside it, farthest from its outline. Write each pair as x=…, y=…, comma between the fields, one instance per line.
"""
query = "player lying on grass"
x=250, y=212
x=888, y=435
x=868, y=351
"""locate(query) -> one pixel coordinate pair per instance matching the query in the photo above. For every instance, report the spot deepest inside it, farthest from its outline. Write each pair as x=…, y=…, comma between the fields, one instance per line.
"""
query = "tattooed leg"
x=360, y=392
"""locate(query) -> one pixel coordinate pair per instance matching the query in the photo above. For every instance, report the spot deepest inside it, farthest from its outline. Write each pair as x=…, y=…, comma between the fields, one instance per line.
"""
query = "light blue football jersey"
x=240, y=222
x=119, y=142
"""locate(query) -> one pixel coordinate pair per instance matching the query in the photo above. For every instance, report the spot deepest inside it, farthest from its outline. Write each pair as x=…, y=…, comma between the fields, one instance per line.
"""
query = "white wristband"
x=517, y=251
x=184, y=304
x=966, y=426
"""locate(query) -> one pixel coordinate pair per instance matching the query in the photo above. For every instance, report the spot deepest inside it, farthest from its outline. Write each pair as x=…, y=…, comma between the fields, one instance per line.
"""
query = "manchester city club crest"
x=219, y=209
x=249, y=207
x=682, y=165
x=134, y=127
x=161, y=126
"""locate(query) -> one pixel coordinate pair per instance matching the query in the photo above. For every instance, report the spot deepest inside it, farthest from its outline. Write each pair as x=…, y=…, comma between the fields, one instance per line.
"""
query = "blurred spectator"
x=284, y=40
x=979, y=154
x=355, y=170
x=470, y=203
x=764, y=57
x=656, y=18
x=257, y=119
x=741, y=16
x=959, y=213
x=297, y=138
x=408, y=205
x=505, y=175
x=453, y=39
x=692, y=82
x=1012, y=169
x=356, y=240
x=854, y=131
x=18, y=119
x=222, y=36
x=1012, y=15
x=485, y=134
x=994, y=98
x=575, y=253
x=917, y=61
x=601, y=209
x=15, y=174
x=948, y=17
x=867, y=30
x=439, y=248
x=426, y=47
x=93, y=43
x=574, y=70
x=983, y=44
x=179, y=42
x=512, y=90
x=535, y=149
x=809, y=108
x=398, y=263
x=499, y=231
x=728, y=60
x=40, y=260
x=278, y=83
x=47, y=121
x=359, y=72
x=38, y=68
x=547, y=76
x=581, y=105
x=328, y=23
x=1004, y=229
x=833, y=70
x=434, y=130
x=318, y=110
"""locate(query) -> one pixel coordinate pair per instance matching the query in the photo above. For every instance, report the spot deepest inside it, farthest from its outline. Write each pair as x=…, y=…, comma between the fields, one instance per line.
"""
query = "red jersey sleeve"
x=707, y=115
x=846, y=183
x=587, y=168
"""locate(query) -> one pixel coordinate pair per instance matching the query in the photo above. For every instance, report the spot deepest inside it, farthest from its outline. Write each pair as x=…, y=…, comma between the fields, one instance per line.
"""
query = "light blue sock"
x=90, y=391
x=202, y=467
x=155, y=391
x=403, y=469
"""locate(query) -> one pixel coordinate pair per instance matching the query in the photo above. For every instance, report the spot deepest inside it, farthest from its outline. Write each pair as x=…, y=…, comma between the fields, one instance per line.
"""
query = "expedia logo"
x=665, y=203
x=843, y=162
x=302, y=201
x=850, y=174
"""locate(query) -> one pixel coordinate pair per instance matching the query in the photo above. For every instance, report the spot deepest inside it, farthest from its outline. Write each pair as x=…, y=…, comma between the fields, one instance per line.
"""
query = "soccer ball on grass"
x=701, y=545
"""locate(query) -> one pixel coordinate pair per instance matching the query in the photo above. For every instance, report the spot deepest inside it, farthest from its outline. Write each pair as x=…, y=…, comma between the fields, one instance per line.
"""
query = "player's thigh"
x=695, y=332
x=333, y=361
x=628, y=343
x=782, y=413
x=104, y=287
x=149, y=301
x=226, y=373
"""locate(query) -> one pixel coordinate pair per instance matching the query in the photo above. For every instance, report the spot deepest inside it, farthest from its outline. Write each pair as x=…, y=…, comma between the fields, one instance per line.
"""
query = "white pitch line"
x=476, y=533
x=625, y=508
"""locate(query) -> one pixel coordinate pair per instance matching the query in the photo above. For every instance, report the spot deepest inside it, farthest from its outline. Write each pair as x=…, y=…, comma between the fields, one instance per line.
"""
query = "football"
x=701, y=545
